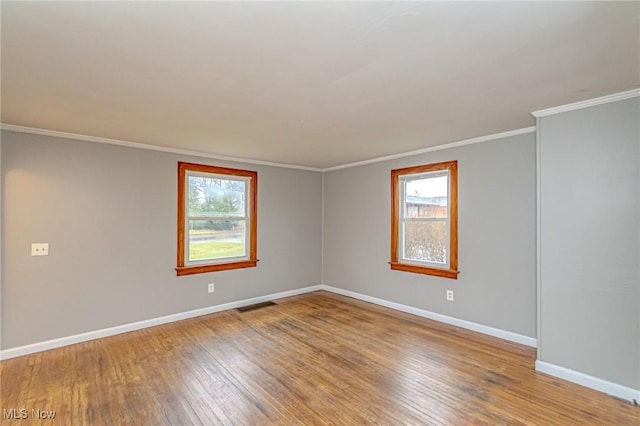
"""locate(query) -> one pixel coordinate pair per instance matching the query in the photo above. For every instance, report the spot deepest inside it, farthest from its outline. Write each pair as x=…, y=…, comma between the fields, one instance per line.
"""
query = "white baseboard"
x=601, y=385
x=105, y=332
x=541, y=366
x=91, y=335
x=496, y=332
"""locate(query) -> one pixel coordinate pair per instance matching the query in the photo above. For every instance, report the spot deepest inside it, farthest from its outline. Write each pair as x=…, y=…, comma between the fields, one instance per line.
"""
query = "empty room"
x=320, y=213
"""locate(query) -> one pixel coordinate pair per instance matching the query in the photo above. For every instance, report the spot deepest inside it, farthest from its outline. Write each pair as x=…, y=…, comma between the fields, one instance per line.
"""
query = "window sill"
x=201, y=269
x=444, y=273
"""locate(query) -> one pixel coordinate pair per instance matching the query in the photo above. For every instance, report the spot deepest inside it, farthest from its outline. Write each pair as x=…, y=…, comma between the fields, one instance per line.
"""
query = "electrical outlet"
x=450, y=295
x=211, y=287
x=40, y=249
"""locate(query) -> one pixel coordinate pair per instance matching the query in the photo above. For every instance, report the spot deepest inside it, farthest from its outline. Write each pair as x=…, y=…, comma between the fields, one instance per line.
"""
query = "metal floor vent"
x=255, y=306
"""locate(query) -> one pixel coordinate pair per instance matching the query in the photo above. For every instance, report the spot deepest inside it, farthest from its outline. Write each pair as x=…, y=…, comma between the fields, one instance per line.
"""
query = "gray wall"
x=497, y=283
x=109, y=215
x=590, y=237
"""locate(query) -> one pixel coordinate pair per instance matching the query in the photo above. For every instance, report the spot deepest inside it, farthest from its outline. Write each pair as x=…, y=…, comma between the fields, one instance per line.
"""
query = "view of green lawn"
x=214, y=249
x=201, y=231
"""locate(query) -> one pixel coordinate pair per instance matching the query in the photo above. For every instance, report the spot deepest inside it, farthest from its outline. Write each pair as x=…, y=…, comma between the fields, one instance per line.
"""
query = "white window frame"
x=403, y=180
x=245, y=217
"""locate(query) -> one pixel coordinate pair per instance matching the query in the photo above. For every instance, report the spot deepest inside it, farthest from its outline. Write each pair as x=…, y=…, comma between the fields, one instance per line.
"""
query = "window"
x=424, y=219
x=217, y=219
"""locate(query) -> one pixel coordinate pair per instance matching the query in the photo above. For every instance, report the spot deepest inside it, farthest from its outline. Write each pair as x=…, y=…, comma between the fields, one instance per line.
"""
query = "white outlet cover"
x=40, y=249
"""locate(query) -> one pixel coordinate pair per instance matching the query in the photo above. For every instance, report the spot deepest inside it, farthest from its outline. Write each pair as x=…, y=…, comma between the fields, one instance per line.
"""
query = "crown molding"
x=541, y=113
x=138, y=145
x=436, y=148
x=588, y=103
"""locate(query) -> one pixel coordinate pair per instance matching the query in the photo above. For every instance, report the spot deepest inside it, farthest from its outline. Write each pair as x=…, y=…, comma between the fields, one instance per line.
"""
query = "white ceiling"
x=310, y=84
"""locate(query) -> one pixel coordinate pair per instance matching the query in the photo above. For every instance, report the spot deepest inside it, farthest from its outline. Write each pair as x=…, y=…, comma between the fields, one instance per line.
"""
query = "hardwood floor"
x=318, y=358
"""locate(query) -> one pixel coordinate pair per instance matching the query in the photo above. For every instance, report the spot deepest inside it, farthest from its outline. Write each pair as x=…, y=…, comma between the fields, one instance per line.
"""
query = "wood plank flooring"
x=312, y=359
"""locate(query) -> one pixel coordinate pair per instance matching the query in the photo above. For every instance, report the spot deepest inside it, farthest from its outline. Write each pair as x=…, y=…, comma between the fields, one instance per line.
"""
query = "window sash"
x=221, y=259
x=217, y=217
x=245, y=217
x=401, y=246
x=245, y=180
x=402, y=182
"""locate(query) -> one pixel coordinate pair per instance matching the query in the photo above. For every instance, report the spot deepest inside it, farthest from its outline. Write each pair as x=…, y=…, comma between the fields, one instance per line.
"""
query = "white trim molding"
x=495, y=332
x=541, y=113
x=111, y=331
x=538, y=232
x=595, y=383
x=138, y=145
x=106, y=332
x=471, y=141
x=588, y=103
x=591, y=382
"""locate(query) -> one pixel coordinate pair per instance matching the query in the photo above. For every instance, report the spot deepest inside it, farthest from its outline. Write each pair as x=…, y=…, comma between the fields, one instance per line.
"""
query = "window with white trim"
x=424, y=219
x=216, y=218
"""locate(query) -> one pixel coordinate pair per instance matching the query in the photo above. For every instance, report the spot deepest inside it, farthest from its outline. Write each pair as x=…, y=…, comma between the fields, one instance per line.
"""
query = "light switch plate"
x=40, y=249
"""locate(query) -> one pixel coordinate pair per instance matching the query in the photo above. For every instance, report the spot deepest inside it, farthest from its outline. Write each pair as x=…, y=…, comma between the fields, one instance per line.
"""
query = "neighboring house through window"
x=424, y=219
x=217, y=222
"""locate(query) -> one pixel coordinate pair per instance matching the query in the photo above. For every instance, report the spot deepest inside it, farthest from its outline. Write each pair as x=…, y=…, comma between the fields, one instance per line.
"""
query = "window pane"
x=212, y=197
x=425, y=241
x=427, y=197
x=216, y=239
